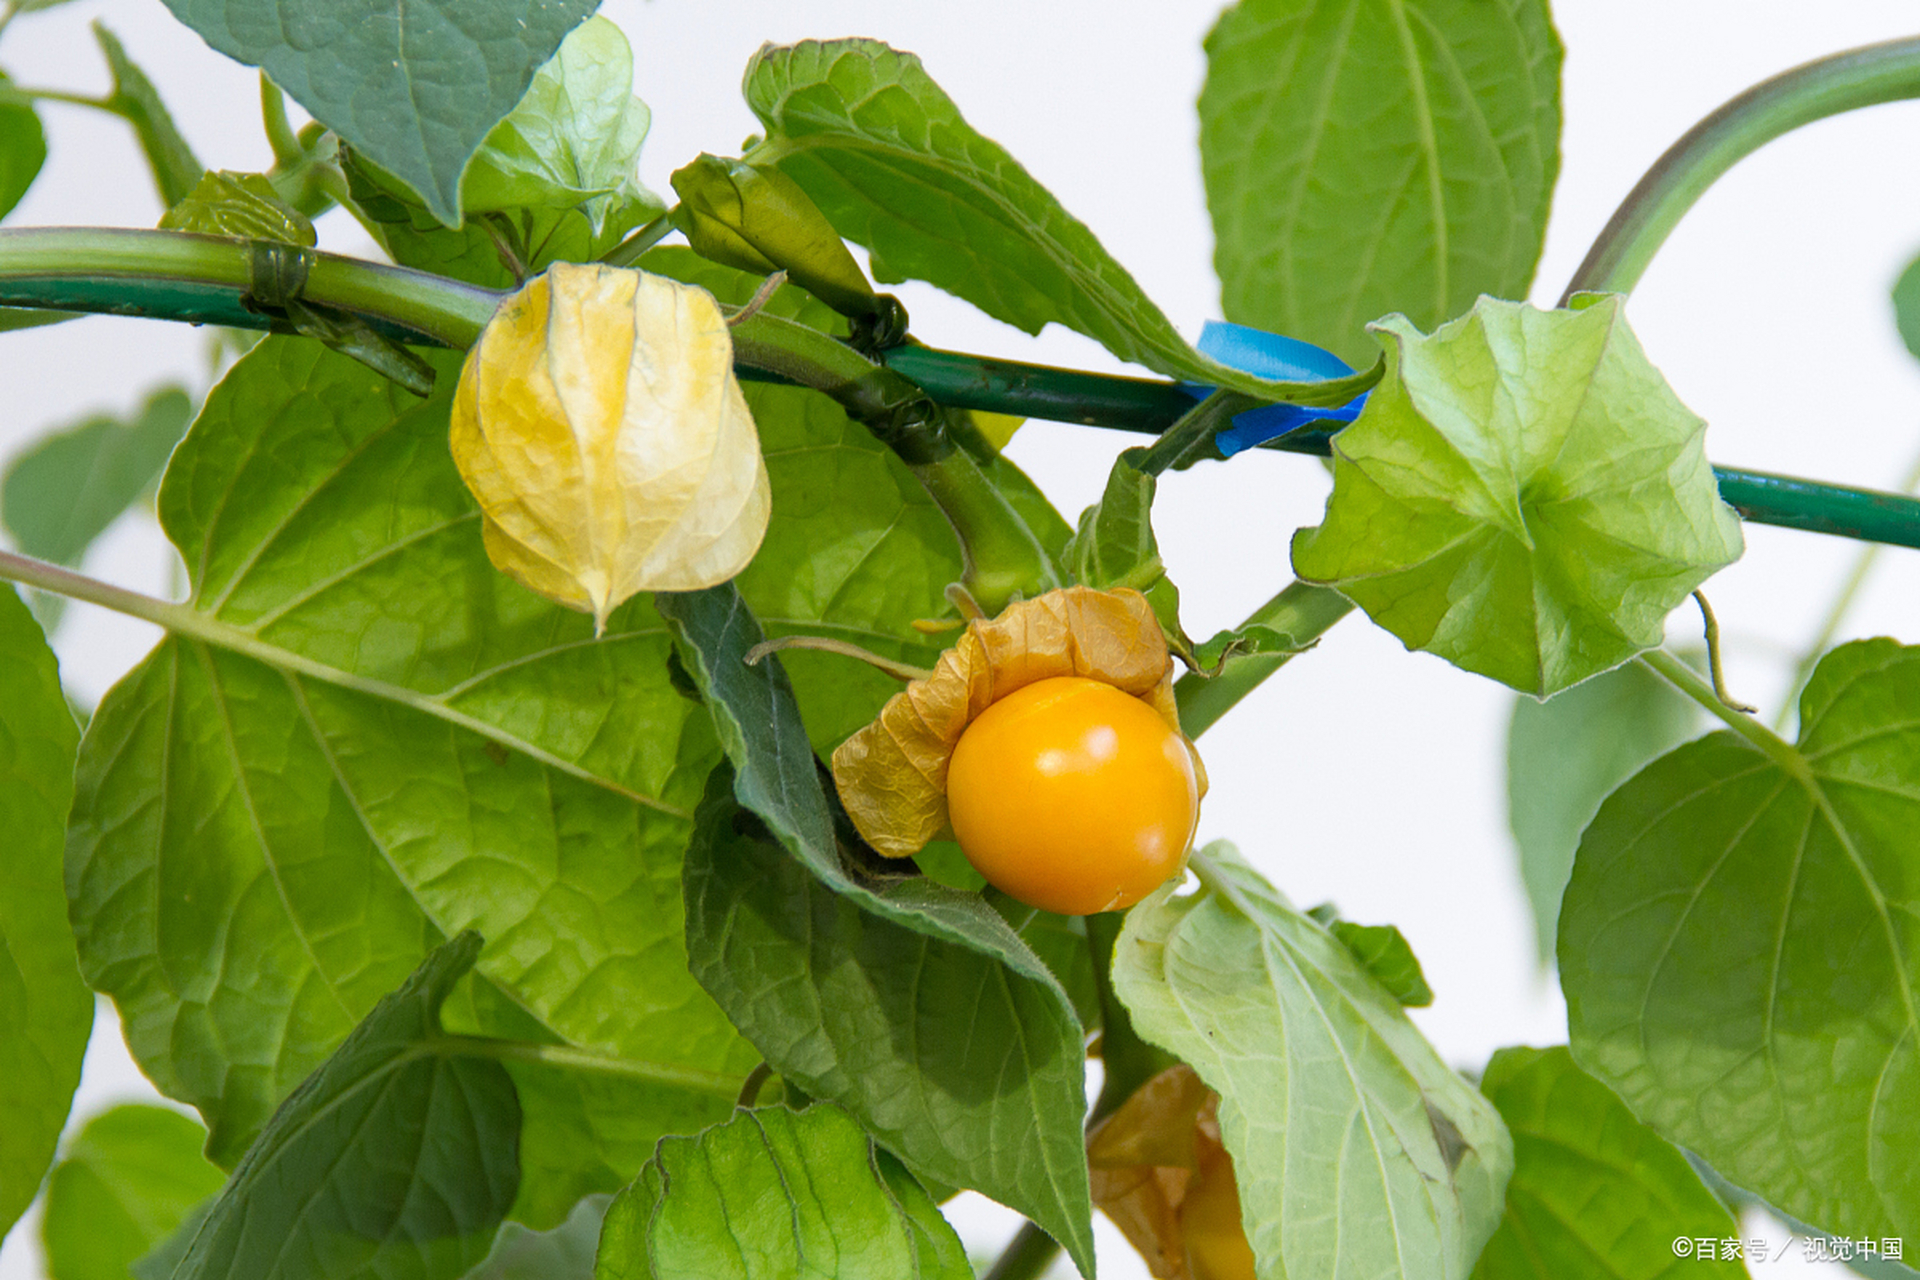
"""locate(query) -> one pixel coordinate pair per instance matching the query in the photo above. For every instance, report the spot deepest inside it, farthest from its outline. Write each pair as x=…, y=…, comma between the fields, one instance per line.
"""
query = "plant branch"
x=628, y=251
x=23, y=93
x=1828, y=86
x=273, y=116
x=1301, y=611
x=845, y=648
x=1026, y=1257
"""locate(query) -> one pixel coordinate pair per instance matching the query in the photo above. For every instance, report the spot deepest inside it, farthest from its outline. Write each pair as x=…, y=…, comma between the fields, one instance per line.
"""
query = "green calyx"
x=1524, y=496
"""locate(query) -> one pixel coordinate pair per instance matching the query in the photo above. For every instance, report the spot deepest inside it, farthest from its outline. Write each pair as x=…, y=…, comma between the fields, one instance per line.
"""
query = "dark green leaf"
x=777, y=778
x=12, y=318
x=1737, y=949
x=1367, y=158
x=1383, y=952
x=241, y=205
x=396, y=1157
x=175, y=169
x=364, y=740
x=416, y=87
x=886, y=155
x=45, y=1010
x=860, y=1008
x=564, y=1253
x=1565, y=755
x=1366, y=1154
x=130, y=1179
x=778, y=1195
x=61, y=494
x=1523, y=495
x=1115, y=546
x=1594, y=1192
x=23, y=149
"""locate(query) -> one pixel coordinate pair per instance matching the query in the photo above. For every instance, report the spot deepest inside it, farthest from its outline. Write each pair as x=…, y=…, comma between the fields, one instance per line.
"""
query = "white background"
x=1360, y=774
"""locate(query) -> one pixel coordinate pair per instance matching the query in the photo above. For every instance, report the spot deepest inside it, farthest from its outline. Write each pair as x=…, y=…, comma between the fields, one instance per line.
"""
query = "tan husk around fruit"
x=600, y=428
x=892, y=774
x=1143, y=1158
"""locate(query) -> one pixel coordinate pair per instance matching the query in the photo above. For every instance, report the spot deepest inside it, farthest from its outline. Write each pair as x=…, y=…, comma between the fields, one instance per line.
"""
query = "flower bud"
x=599, y=426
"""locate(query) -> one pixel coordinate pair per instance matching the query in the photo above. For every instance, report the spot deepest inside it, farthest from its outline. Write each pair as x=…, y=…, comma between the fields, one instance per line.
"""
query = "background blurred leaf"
x=46, y=1012
x=393, y=1158
x=1366, y=1153
x=416, y=87
x=1566, y=755
x=778, y=1195
x=23, y=149
x=1594, y=1192
x=1365, y=158
x=62, y=493
x=1737, y=950
x=128, y=1181
x=175, y=169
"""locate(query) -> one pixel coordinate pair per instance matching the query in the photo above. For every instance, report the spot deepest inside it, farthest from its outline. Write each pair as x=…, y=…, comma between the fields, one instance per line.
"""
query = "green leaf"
x=46, y=1012
x=856, y=549
x=1382, y=951
x=554, y=181
x=176, y=171
x=1212, y=655
x=1594, y=1192
x=1366, y=1154
x=417, y=88
x=1115, y=547
x=23, y=149
x=396, y=1157
x=1367, y=158
x=1565, y=755
x=61, y=494
x=12, y=318
x=564, y=1253
x=1523, y=495
x=898, y=1026
x=778, y=1195
x=1738, y=951
x=1906, y=306
x=361, y=740
x=242, y=205
x=886, y=155
x=777, y=778
x=126, y=1183
x=573, y=140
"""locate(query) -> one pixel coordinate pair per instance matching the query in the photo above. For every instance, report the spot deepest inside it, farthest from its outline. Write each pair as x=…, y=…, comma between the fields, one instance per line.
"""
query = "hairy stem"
x=1026, y=1257
x=845, y=648
x=1003, y=558
x=273, y=117
x=1825, y=87
x=1301, y=611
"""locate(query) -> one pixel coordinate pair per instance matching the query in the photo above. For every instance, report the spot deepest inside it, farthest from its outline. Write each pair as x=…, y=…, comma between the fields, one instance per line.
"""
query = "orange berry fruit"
x=1217, y=1247
x=1073, y=796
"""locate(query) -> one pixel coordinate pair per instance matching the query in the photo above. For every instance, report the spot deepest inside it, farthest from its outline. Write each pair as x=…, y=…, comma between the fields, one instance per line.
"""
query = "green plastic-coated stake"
x=172, y=275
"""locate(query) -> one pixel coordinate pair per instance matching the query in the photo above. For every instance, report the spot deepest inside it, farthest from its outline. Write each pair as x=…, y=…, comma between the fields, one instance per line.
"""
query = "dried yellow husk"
x=1142, y=1159
x=600, y=428
x=892, y=774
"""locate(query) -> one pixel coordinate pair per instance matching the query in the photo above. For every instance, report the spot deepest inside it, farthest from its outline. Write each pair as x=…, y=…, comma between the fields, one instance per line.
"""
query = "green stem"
x=1301, y=611
x=178, y=275
x=628, y=251
x=1688, y=681
x=184, y=620
x=573, y=1059
x=1027, y=1257
x=24, y=93
x=1191, y=438
x=1826, y=87
x=1003, y=558
x=273, y=115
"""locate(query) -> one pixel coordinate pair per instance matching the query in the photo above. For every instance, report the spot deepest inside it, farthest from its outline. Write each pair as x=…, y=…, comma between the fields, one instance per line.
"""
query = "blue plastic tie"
x=1270, y=355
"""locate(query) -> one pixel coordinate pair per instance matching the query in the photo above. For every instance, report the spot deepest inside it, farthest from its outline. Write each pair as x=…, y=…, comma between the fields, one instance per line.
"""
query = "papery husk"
x=892, y=774
x=600, y=428
x=1143, y=1157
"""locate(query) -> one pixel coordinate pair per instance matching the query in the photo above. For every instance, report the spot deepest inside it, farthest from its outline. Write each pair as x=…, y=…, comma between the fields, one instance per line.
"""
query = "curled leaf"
x=892, y=774
x=600, y=428
x=1523, y=495
x=241, y=205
